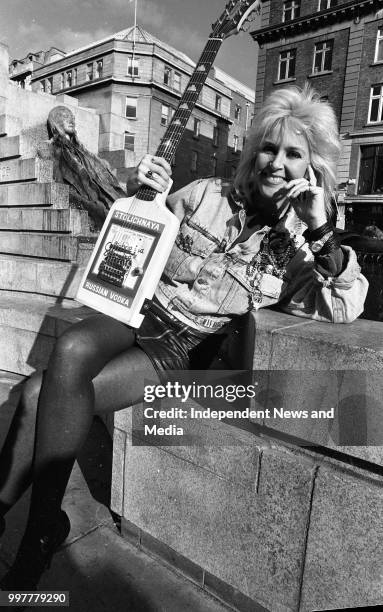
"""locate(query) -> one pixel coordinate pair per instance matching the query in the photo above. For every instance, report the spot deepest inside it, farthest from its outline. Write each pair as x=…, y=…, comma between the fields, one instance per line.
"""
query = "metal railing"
x=372, y=268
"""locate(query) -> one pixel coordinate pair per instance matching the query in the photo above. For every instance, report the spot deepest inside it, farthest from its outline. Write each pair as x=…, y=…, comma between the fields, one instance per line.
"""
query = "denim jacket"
x=208, y=279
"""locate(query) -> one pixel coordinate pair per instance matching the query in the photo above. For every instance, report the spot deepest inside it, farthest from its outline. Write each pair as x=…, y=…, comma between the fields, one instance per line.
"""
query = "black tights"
x=94, y=368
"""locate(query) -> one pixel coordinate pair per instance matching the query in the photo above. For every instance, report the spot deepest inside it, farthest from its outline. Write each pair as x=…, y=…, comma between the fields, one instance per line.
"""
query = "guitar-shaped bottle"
x=139, y=232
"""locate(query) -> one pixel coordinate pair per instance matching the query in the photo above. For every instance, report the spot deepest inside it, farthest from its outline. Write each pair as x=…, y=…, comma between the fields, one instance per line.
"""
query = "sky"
x=32, y=25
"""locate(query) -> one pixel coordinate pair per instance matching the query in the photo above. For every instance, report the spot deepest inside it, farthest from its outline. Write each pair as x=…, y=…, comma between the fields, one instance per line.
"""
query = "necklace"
x=268, y=267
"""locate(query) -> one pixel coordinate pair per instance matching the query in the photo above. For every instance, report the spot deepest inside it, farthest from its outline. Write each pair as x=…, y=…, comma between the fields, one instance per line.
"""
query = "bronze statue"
x=92, y=186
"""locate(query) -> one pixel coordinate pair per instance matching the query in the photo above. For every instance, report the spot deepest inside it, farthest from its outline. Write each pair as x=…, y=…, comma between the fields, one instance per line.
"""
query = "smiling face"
x=283, y=156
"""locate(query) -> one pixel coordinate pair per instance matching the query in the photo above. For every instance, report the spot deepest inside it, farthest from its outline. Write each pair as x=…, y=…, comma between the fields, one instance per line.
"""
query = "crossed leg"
x=94, y=368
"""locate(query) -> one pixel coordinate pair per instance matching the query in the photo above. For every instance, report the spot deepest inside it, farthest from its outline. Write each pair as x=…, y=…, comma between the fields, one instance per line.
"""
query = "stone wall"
x=275, y=515
x=24, y=113
x=44, y=243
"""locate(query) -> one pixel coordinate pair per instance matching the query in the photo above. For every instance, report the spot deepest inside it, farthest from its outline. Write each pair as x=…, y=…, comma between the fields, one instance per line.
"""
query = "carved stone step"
x=48, y=220
x=10, y=147
x=32, y=169
x=41, y=276
x=9, y=125
x=23, y=145
x=47, y=246
x=35, y=194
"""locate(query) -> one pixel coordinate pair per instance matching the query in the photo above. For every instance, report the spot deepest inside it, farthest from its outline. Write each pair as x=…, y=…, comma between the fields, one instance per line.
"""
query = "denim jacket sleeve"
x=185, y=200
x=309, y=294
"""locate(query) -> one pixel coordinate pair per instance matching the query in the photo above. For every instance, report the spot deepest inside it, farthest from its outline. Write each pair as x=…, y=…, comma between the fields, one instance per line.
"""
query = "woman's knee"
x=73, y=347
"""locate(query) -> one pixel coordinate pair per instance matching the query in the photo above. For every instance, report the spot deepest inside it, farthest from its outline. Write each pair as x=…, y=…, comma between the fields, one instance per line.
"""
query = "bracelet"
x=319, y=232
x=330, y=246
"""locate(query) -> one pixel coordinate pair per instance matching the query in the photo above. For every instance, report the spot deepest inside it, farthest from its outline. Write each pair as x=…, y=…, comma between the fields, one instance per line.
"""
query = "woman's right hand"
x=152, y=171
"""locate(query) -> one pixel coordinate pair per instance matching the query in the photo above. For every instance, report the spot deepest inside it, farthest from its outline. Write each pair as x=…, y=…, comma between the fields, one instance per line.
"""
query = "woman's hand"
x=152, y=171
x=307, y=198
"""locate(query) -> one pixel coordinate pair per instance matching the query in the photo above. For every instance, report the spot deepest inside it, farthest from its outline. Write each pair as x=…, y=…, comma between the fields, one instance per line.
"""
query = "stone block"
x=26, y=350
x=69, y=101
x=69, y=221
x=344, y=561
x=9, y=125
x=241, y=532
x=230, y=445
x=261, y=326
x=16, y=170
x=32, y=109
x=291, y=400
x=350, y=402
x=48, y=246
x=4, y=75
x=40, y=276
x=10, y=147
x=36, y=314
x=35, y=194
x=29, y=326
x=320, y=346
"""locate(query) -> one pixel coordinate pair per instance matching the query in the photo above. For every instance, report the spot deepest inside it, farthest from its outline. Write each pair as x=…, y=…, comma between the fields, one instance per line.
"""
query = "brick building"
x=337, y=46
x=135, y=81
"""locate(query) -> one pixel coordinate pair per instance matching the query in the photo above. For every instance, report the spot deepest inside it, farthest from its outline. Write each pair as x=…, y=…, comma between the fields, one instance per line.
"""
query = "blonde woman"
x=265, y=240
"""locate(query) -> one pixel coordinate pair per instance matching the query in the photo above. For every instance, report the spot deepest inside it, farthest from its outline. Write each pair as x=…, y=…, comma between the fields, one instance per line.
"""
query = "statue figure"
x=92, y=186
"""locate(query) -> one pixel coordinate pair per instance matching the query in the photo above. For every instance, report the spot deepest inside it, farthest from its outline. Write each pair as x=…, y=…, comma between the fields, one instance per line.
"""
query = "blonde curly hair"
x=300, y=111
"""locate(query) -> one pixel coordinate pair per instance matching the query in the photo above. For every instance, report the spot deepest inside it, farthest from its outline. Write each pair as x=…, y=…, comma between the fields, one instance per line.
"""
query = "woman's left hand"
x=307, y=199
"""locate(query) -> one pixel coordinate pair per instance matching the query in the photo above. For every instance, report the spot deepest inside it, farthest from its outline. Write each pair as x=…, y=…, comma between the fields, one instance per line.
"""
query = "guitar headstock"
x=235, y=17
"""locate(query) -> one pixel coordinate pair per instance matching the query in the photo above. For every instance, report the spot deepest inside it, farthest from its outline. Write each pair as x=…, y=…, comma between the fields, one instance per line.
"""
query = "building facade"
x=135, y=82
x=336, y=46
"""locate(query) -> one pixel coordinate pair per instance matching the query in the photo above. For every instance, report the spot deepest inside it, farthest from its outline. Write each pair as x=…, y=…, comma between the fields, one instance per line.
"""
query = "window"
x=214, y=166
x=237, y=112
x=286, y=68
x=167, y=75
x=379, y=46
x=215, y=136
x=218, y=103
x=177, y=81
x=129, y=141
x=235, y=144
x=133, y=67
x=89, y=72
x=99, y=68
x=194, y=161
x=371, y=169
x=68, y=79
x=131, y=107
x=322, y=56
x=197, y=128
x=74, y=79
x=49, y=85
x=165, y=114
x=325, y=4
x=375, y=113
x=291, y=10
x=62, y=80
